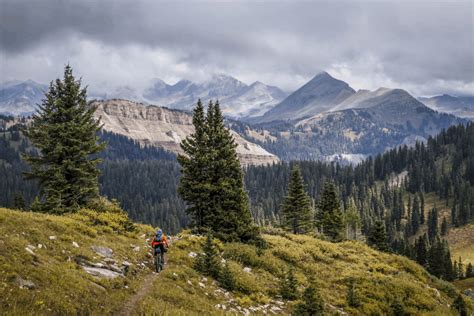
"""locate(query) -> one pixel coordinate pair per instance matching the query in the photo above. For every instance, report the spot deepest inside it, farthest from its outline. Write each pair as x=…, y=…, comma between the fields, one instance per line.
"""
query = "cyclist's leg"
x=162, y=248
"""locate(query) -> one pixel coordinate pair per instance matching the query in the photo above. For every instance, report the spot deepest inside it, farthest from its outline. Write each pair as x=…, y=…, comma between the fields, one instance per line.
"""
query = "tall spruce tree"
x=65, y=132
x=329, y=216
x=212, y=179
x=378, y=237
x=296, y=207
x=194, y=182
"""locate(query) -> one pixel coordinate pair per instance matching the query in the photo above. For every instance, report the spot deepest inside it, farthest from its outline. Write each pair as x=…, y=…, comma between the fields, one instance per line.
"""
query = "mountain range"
x=459, y=106
x=324, y=119
x=237, y=98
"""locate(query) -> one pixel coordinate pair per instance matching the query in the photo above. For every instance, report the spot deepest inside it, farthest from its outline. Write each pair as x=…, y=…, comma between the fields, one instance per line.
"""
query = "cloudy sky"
x=425, y=47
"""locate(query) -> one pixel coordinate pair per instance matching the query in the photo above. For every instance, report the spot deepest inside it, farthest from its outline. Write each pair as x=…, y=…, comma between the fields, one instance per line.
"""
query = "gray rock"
x=25, y=284
x=103, y=251
x=102, y=272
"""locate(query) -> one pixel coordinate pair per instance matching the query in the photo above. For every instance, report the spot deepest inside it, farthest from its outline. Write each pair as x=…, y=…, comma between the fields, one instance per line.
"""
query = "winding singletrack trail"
x=130, y=305
x=146, y=286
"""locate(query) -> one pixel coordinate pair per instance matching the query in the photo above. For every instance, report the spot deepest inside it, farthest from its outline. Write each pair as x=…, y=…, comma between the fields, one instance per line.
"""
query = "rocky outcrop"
x=165, y=128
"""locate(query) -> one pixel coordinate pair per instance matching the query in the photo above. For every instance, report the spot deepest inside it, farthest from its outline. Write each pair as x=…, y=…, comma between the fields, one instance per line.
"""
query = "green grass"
x=464, y=284
x=62, y=287
x=381, y=279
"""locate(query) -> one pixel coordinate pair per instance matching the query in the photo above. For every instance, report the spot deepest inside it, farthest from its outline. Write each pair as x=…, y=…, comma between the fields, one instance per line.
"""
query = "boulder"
x=103, y=251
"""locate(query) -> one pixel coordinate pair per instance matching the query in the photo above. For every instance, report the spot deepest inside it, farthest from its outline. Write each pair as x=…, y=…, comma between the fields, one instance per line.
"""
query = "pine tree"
x=289, y=285
x=352, y=221
x=36, y=205
x=19, y=201
x=208, y=262
x=378, y=237
x=397, y=308
x=422, y=208
x=460, y=269
x=212, y=179
x=469, y=271
x=296, y=207
x=232, y=220
x=312, y=304
x=415, y=215
x=329, y=216
x=353, y=299
x=65, y=133
x=432, y=224
x=227, y=278
x=460, y=305
x=422, y=250
x=444, y=227
x=193, y=186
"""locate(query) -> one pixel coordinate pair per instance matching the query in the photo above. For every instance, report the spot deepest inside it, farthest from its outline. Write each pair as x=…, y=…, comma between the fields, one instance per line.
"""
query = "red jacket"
x=155, y=243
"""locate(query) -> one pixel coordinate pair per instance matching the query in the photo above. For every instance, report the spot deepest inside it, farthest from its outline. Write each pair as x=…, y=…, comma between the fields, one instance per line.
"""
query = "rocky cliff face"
x=166, y=128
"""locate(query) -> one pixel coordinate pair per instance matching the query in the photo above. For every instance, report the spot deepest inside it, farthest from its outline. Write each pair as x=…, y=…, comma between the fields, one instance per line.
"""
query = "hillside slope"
x=50, y=278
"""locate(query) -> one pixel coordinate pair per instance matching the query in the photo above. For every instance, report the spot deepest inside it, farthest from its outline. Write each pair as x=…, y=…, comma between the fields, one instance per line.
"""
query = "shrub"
x=227, y=279
x=289, y=285
x=311, y=304
x=208, y=262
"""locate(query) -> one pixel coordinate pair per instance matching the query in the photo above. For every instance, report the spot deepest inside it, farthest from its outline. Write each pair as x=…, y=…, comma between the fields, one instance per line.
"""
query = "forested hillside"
x=144, y=179
x=391, y=186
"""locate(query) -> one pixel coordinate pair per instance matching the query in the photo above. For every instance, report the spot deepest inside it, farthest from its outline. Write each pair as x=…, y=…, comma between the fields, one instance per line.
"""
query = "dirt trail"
x=146, y=286
x=130, y=305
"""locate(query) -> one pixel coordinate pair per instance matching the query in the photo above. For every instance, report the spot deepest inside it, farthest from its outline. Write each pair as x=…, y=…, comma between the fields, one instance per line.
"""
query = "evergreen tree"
x=422, y=250
x=422, y=208
x=432, y=224
x=212, y=179
x=460, y=305
x=194, y=182
x=208, y=262
x=36, y=205
x=398, y=309
x=312, y=304
x=227, y=278
x=289, y=285
x=329, y=216
x=353, y=299
x=469, y=271
x=378, y=237
x=65, y=133
x=19, y=202
x=444, y=227
x=460, y=269
x=231, y=220
x=296, y=207
x=415, y=215
x=352, y=221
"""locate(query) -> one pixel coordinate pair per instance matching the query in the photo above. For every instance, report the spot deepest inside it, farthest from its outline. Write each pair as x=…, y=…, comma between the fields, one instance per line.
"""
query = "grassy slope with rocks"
x=61, y=286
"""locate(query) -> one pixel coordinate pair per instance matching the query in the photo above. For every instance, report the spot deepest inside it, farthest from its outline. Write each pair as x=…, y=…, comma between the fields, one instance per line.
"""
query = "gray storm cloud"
x=421, y=46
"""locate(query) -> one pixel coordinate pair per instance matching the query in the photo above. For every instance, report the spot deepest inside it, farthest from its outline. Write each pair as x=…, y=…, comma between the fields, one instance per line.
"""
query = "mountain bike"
x=158, y=260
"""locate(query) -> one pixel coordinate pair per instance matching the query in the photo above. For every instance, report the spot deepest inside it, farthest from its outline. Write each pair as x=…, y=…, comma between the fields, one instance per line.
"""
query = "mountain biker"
x=160, y=242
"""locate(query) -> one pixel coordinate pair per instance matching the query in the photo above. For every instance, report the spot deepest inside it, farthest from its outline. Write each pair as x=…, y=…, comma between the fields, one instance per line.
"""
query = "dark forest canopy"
x=147, y=190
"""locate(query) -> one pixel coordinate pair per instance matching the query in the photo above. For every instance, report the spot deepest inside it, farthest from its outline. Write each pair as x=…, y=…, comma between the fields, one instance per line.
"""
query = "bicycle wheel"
x=158, y=264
